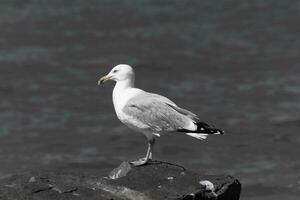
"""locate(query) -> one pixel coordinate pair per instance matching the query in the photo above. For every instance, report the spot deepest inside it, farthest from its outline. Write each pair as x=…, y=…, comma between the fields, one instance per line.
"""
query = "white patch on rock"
x=32, y=180
x=208, y=185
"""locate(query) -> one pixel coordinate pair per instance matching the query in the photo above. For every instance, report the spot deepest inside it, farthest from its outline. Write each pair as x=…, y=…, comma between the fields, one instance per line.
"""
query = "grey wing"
x=157, y=113
x=182, y=111
x=185, y=112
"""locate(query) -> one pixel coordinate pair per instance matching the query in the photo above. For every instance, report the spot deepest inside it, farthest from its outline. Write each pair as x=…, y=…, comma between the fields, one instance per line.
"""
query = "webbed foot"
x=140, y=162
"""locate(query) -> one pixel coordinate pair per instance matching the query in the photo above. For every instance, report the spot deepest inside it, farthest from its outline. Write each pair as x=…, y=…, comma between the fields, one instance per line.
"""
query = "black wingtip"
x=214, y=131
x=203, y=127
x=209, y=131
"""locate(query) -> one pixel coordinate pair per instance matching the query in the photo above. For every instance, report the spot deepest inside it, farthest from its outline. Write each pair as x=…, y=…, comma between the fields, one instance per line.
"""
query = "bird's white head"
x=121, y=72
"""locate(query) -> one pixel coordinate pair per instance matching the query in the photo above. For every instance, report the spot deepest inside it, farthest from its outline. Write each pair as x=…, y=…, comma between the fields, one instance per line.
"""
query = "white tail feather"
x=200, y=136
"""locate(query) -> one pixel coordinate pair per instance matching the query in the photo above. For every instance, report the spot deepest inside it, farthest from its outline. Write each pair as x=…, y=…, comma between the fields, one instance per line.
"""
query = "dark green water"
x=234, y=63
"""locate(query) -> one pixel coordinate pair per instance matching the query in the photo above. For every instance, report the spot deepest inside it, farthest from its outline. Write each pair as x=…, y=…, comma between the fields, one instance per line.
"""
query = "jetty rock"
x=155, y=181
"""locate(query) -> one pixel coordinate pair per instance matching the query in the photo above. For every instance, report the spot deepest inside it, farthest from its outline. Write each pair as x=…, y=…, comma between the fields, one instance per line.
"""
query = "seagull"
x=151, y=114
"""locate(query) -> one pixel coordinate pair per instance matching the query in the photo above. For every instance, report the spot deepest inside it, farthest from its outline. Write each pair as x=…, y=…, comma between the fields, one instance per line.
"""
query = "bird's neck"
x=120, y=88
x=123, y=85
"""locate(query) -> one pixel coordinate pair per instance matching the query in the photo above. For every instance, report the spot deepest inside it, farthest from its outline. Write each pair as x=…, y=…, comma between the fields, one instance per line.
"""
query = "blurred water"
x=234, y=63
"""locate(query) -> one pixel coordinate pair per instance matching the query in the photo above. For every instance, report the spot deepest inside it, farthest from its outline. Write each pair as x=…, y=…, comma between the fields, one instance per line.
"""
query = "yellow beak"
x=103, y=79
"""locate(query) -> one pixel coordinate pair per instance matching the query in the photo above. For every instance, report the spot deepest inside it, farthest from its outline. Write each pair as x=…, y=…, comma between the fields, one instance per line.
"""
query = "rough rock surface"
x=158, y=180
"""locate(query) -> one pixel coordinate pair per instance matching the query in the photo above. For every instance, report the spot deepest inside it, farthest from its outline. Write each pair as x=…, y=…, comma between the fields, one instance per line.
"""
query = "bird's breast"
x=121, y=96
x=120, y=99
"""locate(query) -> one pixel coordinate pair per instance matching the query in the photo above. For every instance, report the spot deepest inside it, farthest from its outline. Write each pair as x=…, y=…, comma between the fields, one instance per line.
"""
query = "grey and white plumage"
x=150, y=113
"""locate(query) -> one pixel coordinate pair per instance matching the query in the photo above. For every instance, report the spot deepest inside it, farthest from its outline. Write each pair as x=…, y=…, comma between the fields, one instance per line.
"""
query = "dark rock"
x=157, y=180
x=160, y=180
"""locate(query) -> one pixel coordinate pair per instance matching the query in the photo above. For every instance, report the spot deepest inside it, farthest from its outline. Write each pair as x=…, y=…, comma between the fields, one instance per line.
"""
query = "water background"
x=234, y=63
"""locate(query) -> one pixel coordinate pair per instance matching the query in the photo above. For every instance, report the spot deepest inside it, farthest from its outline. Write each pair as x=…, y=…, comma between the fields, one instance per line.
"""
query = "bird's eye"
x=115, y=71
